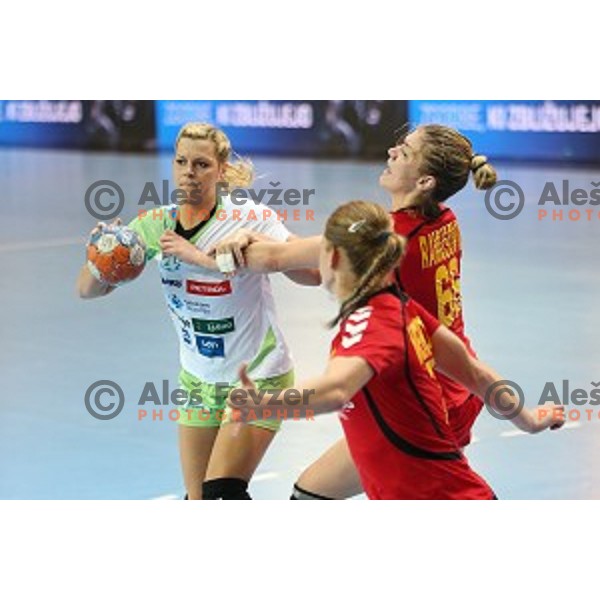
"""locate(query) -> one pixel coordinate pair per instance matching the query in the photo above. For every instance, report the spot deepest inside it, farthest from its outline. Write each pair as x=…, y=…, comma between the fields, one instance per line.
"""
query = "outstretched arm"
x=329, y=392
x=272, y=257
x=306, y=275
x=453, y=360
x=297, y=258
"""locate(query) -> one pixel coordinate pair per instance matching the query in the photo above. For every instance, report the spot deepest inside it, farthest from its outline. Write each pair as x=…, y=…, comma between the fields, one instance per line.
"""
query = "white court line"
x=257, y=478
x=474, y=440
x=41, y=244
x=516, y=432
x=513, y=433
x=265, y=476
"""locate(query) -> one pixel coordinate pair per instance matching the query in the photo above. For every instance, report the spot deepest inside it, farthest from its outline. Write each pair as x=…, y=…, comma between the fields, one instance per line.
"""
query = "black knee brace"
x=300, y=494
x=225, y=488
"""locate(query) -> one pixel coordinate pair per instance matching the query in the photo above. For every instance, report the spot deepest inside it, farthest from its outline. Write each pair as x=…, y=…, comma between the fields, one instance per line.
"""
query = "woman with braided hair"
x=380, y=374
x=425, y=168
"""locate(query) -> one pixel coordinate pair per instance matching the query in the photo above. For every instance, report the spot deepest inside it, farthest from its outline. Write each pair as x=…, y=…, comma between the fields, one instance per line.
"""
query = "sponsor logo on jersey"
x=170, y=263
x=172, y=282
x=210, y=347
x=204, y=288
x=215, y=326
x=346, y=409
x=196, y=306
x=355, y=326
x=175, y=301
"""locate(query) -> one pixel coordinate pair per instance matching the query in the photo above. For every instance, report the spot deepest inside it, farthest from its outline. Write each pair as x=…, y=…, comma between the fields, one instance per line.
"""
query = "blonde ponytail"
x=484, y=175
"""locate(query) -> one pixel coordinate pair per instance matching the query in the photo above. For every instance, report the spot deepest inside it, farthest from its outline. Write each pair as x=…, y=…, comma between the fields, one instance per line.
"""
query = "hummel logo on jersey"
x=345, y=412
x=361, y=314
x=356, y=329
x=355, y=326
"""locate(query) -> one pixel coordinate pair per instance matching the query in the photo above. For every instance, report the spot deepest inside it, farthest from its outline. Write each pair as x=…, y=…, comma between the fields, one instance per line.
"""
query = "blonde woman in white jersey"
x=220, y=322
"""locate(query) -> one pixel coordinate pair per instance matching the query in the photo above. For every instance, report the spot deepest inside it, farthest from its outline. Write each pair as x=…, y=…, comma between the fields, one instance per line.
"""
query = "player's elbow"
x=312, y=277
x=482, y=383
x=308, y=277
x=472, y=376
x=339, y=396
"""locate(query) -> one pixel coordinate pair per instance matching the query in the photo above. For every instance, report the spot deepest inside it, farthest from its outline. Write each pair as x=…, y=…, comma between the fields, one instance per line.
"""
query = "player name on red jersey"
x=439, y=245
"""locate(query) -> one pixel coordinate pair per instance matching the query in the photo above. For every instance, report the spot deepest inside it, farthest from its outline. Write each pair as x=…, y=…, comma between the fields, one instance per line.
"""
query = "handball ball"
x=116, y=254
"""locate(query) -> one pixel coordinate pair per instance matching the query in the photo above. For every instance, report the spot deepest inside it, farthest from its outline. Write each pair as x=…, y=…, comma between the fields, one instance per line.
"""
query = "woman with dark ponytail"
x=381, y=372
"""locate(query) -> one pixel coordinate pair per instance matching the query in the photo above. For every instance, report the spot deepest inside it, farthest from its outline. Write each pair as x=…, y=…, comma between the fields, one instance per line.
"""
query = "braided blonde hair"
x=364, y=231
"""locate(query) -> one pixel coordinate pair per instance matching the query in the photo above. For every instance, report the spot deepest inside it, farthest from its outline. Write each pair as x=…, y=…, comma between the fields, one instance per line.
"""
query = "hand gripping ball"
x=116, y=254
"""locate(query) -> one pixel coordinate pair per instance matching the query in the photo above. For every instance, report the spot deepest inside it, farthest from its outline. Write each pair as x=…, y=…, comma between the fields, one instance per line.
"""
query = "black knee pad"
x=300, y=494
x=225, y=488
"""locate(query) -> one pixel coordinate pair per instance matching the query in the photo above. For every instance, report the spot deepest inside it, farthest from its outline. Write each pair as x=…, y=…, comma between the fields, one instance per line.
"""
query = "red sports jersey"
x=397, y=425
x=430, y=273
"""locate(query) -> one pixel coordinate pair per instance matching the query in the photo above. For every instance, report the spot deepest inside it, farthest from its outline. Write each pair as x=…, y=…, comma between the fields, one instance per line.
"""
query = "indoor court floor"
x=530, y=293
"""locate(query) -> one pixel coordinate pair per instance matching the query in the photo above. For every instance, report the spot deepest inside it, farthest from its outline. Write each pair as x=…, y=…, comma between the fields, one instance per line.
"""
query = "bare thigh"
x=238, y=455
x=333, y=475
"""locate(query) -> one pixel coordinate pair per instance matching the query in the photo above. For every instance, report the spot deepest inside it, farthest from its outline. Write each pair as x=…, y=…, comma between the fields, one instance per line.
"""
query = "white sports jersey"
x=220, y=322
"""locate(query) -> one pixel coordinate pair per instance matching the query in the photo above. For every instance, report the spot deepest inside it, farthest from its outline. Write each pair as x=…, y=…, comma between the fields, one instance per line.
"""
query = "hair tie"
x=473, y=157
x=383, y=237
